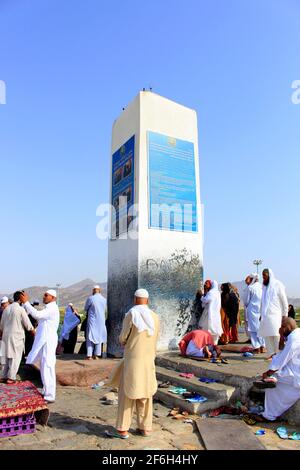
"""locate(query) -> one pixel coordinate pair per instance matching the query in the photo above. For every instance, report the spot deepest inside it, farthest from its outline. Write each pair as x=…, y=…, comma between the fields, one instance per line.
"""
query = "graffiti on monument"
x=172, y=283
x=121, y=287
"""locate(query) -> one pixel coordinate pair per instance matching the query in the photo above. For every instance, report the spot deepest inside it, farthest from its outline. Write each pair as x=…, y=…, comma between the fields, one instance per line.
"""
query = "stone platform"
x=75, y=370
x=235, y=381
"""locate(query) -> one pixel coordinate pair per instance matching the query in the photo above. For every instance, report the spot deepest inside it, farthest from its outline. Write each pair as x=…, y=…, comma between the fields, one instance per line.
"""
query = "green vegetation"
x=297, y=310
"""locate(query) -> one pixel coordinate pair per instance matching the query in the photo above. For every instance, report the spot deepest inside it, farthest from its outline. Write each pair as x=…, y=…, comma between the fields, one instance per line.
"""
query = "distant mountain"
x=76, y=293
x=294, y=301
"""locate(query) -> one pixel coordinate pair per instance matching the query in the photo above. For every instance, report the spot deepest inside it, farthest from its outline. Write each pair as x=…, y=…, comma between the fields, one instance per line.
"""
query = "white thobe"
x=95, y=307
x=252, y=306
x=274, y=306
x=252, y=309
x=210, y=319
x=244, y=296
x=286, y=363
x=43, y=352
x=13, y=323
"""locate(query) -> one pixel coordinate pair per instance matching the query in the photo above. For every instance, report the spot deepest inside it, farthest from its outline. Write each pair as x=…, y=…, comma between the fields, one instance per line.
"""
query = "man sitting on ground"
x=284, y=368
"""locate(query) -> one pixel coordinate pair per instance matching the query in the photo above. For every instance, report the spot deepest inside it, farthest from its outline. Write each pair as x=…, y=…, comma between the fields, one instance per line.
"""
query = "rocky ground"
x=79, y=418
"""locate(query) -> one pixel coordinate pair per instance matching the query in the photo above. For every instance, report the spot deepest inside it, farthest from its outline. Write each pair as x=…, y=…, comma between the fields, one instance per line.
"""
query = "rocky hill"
x=76, y=293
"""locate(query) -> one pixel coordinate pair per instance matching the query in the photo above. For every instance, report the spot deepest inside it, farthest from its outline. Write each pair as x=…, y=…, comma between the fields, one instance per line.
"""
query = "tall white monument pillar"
x=157, y=244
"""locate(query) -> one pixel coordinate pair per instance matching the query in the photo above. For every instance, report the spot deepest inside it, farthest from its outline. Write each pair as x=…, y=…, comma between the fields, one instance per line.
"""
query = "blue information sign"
x=172, y=183
x=122, y=185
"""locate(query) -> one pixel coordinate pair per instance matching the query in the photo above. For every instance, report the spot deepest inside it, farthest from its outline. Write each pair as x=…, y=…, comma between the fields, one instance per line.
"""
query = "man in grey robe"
x=14, y=322
x=96, y=332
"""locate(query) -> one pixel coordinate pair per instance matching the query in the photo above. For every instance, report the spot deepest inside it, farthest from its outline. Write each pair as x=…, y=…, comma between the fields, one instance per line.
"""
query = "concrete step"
x=214, y=391
x=238, y=374
x=172, y=400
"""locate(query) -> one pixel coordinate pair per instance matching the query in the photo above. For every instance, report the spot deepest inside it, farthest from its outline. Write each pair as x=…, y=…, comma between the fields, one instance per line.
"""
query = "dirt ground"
x=79, y=418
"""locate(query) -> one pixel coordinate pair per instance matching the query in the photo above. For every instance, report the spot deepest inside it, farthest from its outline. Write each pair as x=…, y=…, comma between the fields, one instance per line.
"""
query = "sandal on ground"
x=295, y=436
x=165, y=384
x=249, y=419
x=282, y=432
x=116, y=434
x=224, y=361
x=177, y=390
x=174, y=412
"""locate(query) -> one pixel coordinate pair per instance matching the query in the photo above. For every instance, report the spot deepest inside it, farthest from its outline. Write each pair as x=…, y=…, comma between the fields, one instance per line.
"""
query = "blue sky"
x=70, y=67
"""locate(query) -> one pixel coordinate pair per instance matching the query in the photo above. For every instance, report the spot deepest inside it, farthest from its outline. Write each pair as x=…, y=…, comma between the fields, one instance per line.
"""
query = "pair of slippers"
x=176, y=414
x=207, y=380
x=283, y=434
x=197, y=399
x=218, y=360
x=186, y=375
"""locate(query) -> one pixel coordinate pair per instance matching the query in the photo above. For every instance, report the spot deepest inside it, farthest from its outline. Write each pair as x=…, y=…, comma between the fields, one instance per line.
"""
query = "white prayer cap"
x=51, y=292
x=4, y=300
x=142, y=294
x=70, y=304
x=96, y=287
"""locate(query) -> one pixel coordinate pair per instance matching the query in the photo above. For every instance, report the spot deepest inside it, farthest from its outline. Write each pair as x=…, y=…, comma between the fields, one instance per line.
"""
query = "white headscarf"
x=212, y=302
x=142, y=318
x=70, y=321
x=269, y=292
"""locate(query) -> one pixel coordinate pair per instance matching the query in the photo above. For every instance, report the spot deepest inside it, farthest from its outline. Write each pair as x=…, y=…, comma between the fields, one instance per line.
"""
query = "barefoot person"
x=135, y=375
x=285, y=367
x=45, y=342
x=13, y=324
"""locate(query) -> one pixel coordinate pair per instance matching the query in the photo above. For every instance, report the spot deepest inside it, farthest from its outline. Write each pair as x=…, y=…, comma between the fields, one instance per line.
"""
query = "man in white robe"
x=45, y=342
x=274, y=306
x=244, y=296
x=211, y=317
x=96, y=332
x=13, y=323
x=252, y=309
x=285, y=367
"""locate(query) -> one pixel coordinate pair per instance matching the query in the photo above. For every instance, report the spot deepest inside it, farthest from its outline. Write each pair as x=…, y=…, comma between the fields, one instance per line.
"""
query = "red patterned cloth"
x=20, y=398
